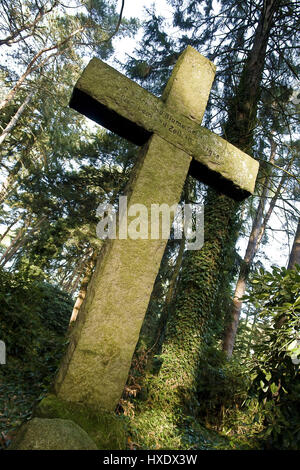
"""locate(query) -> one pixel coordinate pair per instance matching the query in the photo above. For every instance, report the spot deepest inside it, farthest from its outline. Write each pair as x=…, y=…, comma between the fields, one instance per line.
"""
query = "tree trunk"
x=20, y=240
x=187, y=324
x=12, y=123
x=84, y=285
x=242, y=113
x=251, y=335
x=187, y=329
x=9, y=227
x=11, y=248
x=12, y=38
x=34, y=65
x=171, y=292
x=295, y=253
x=76, y=274
x=8, y=183
x=257, y=232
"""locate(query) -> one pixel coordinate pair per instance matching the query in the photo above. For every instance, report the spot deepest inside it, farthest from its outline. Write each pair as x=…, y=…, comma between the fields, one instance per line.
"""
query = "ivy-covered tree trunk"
x=170, y=294
x=188, y=326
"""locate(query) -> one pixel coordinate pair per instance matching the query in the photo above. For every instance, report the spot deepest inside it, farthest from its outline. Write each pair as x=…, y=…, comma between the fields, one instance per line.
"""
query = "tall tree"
x=51, y=168
x=295, y=251
x=245, y=54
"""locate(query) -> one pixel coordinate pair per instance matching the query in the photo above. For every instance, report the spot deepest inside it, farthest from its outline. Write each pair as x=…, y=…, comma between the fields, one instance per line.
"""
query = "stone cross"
x=96, y=365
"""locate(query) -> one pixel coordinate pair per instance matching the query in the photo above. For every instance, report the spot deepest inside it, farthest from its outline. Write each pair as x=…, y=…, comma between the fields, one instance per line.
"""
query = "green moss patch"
x=52, y=434
x=155, y=428
x=105, y=428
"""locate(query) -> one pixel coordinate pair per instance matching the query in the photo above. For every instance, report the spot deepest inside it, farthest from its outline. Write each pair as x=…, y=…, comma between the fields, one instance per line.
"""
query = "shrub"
x=274, y=365
x=34, y=319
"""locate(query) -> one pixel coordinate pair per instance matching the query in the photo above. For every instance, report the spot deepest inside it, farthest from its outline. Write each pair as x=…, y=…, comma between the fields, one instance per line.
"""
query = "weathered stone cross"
x=102, y=343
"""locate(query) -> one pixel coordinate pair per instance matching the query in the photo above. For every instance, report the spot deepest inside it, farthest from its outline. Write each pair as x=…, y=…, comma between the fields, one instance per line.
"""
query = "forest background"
x=210, y=370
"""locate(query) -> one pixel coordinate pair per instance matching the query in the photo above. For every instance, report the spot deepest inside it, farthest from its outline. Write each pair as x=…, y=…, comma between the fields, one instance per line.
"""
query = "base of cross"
x=61, y=425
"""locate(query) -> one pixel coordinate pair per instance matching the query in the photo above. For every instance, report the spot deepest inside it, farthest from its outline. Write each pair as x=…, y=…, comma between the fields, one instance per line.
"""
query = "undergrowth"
x=33, y=322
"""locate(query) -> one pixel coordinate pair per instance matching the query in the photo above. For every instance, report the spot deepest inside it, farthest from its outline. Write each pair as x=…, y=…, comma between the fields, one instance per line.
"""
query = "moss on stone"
x=177, y=121
x=52, y=434
x=105, y=428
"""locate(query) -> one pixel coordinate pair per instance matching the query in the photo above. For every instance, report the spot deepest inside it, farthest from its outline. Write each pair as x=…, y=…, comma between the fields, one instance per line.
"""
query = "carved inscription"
x=137, y=105
x=155, y=112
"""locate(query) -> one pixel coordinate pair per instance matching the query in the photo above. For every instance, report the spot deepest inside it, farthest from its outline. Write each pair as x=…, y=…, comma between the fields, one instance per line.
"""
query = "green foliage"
x=155, y=428
x=222, y=386
x=33, y=315
x=58, y=171
x=190, y=326
x=105, y=428
x=275, y=365
x=34, y=318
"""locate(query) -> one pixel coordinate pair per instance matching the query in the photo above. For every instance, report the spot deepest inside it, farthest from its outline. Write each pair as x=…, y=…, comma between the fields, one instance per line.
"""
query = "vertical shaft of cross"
x=96, y=365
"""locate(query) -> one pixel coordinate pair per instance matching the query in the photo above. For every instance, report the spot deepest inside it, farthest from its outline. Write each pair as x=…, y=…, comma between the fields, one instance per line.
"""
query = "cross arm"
x=121, y=105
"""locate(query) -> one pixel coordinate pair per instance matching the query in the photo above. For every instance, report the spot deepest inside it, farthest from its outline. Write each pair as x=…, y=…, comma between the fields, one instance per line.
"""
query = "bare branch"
x=118, y=23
